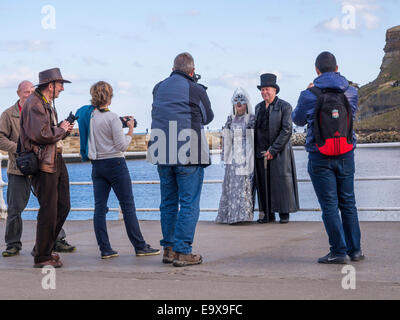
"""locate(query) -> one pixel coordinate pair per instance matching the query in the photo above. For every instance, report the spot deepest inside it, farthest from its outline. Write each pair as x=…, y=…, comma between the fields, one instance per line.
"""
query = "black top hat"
x=268, y=80
x=51, y=75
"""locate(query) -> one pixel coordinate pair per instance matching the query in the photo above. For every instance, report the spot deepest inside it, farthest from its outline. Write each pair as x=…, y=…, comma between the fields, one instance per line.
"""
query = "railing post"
x=120, y=216
x=3, y=207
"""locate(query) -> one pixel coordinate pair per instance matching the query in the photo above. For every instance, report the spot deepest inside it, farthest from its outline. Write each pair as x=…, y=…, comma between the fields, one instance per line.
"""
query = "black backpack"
x=333, y=122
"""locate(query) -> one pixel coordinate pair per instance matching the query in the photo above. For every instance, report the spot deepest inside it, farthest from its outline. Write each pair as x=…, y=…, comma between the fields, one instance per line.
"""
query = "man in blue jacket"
x=332, y=176
x=179, y=148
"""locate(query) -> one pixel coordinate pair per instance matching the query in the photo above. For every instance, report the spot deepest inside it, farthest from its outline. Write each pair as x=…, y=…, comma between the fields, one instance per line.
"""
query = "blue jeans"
x=113, y=173
x=333, y=182
x=180, y=191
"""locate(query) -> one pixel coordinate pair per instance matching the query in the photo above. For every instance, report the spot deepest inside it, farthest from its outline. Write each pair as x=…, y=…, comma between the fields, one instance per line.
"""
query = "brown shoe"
x=183, y=260
x=55, y=256
x=169, y=255
x=51, y=262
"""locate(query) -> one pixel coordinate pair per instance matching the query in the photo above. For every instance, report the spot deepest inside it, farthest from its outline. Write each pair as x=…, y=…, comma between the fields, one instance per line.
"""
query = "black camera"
x=196, y=77
x=71, y=118
x=125, y=120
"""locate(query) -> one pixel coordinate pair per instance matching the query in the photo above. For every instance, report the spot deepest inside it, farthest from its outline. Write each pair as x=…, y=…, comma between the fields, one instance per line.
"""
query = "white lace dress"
x=237, y=198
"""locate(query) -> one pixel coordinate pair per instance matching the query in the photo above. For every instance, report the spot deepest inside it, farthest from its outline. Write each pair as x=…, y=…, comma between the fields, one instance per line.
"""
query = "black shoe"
x=357, y=256
x=264, y=219
x=284, y=218
x=330, y=258
x=63, y=246
x=109, y=254
x=11, y=251
x=147, y=251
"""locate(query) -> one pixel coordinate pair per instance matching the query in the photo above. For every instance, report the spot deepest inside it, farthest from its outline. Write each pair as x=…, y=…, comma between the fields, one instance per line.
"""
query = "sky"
x=132, y=45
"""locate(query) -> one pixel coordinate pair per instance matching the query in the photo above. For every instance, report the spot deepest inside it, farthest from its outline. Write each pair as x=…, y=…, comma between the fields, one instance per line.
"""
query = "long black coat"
x=284, y=190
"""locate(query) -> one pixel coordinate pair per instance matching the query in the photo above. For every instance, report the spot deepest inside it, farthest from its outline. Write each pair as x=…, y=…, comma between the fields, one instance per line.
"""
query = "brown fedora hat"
x=51, y=75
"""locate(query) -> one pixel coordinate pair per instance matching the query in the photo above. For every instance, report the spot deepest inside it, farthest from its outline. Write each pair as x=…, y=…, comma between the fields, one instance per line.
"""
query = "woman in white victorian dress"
x=237, y=198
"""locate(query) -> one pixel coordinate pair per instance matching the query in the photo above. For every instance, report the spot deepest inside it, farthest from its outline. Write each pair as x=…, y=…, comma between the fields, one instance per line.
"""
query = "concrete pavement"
x=248, y=261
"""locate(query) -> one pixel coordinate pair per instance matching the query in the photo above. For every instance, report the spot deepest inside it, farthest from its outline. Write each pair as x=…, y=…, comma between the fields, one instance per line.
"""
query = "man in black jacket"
x=276, y=182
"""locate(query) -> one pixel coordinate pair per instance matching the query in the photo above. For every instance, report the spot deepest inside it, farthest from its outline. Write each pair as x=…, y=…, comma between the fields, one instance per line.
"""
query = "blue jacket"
x=304, y=112
x=84, y=114
x=181, y=108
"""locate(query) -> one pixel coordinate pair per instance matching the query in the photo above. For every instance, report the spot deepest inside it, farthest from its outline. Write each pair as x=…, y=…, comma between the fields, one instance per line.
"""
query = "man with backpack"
x=328, y=107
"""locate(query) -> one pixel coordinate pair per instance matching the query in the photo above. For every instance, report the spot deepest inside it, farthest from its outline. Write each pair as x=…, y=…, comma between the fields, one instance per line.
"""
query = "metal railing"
x=3, y=208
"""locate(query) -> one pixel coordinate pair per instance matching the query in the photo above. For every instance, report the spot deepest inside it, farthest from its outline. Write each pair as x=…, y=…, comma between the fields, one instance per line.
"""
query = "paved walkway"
x=248, y=261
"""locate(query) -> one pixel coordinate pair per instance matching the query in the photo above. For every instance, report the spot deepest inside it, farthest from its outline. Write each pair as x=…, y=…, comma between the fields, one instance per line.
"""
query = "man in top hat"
x=40, y=133
x=275, y=174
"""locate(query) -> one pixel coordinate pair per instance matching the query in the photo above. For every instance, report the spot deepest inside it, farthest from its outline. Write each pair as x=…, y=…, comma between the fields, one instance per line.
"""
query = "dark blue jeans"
x=180, y=205
x=333, y=182
x=113, y=173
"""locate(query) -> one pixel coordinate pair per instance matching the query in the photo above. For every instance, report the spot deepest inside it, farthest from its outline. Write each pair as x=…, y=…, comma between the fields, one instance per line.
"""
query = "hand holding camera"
x=129, y=122
x=125, y=121
x=68, y=124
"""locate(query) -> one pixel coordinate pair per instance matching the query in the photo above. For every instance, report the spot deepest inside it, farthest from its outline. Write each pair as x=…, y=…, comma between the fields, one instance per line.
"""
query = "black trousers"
x=52, y=190
x=18, y=192
x=262, y=191
x=263, y=188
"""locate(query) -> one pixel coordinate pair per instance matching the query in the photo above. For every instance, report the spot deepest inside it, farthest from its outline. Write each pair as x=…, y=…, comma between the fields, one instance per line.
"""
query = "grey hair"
x=184, y=62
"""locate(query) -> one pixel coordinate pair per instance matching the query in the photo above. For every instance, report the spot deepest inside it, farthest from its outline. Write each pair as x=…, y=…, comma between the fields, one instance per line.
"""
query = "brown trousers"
x=52, y=191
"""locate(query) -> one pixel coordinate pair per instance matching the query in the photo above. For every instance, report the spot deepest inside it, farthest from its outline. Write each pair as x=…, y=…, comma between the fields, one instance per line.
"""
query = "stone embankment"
x=299, y=139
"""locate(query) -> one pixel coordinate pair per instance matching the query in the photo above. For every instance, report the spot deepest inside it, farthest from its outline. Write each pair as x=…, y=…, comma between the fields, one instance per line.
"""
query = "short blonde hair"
x=101, y=93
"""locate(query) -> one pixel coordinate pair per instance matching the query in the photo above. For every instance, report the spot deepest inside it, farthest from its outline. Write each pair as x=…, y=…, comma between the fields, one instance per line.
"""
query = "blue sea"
x=370, y=162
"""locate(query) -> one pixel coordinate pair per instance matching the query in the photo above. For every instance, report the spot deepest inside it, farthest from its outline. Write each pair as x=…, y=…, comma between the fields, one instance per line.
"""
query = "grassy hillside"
x=388, y=121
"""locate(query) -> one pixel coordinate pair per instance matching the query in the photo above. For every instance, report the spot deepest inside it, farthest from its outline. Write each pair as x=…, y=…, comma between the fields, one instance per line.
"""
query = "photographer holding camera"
x=103, y=142
x=40, y=133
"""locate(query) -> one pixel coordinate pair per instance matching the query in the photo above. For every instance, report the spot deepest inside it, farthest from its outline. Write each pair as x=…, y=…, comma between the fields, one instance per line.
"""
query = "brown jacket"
x=9, y=134
x=39, y=133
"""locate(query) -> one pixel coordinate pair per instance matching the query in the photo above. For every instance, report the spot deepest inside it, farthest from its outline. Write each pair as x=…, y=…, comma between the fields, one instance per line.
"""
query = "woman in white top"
x=106, y=146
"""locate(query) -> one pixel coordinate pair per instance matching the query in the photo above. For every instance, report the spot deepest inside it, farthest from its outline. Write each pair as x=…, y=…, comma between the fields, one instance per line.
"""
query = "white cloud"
x=25, y=45
x=94, y=61
x=365, y=15
x=245, y=80
x=11, y=78
x=219, y=47
x=330, y=25
x=191, y=13
x=128, y=88
x=155, y=22
x=371, y=21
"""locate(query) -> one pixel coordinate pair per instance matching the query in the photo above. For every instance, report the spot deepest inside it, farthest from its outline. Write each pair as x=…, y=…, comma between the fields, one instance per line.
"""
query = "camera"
x=71, y=118
x=196, y=77
x=125, y=120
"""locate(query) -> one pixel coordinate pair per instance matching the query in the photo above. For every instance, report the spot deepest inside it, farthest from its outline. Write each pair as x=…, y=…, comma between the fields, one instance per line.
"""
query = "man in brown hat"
x=19, y=186
x=40, y=133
